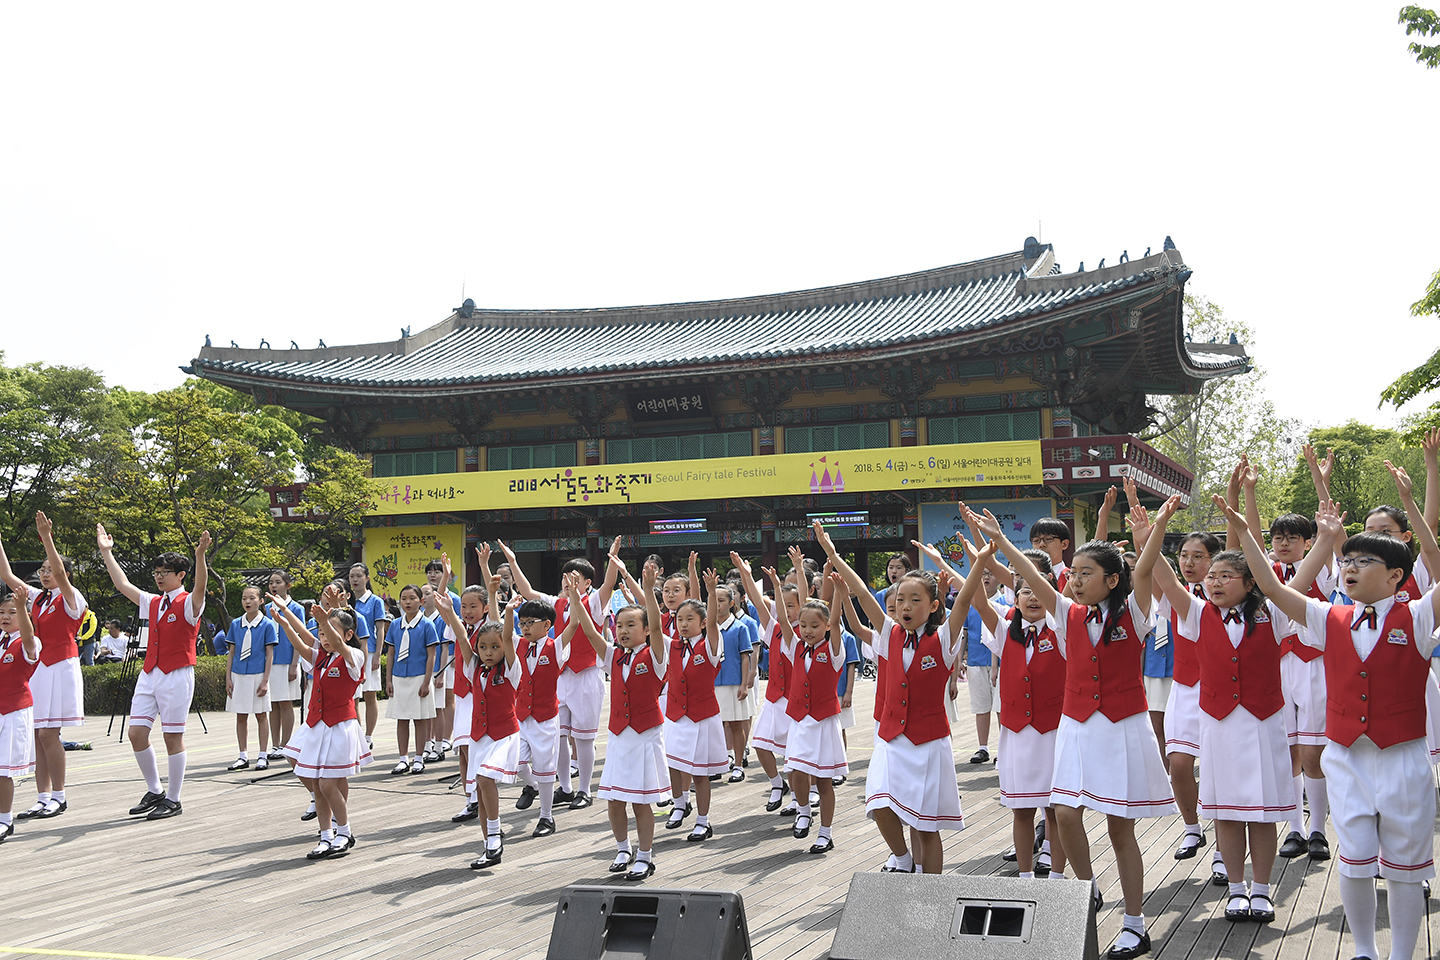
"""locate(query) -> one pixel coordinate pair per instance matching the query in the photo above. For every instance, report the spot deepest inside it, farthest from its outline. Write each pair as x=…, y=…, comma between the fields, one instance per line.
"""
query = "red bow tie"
x=1367, y=618
x=1234, y=616
x=1198, y=590
x=1094, y=616
x=912, y=641
x=1289, y=572
x=1030, y=634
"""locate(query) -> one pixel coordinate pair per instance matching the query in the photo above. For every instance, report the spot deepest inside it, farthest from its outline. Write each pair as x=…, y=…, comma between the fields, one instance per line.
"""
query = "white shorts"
x=982, y=690
x=17, y=743
x=1182, y=720
x=165, y=696
x=1157, y=693
x=282, y=688
x=732, y=708
x=407, y=704
x=59, y=695
x=246, y=700
x=540, y=747
x=1382, y=803
x=1304, y=686
x=581, y=696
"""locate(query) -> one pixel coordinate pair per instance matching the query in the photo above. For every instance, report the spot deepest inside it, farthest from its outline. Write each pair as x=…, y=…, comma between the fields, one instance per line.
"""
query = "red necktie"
x=1367, y=618
x=165, y=603
x=625, y=658
x=1030, y=634
x=534, y=648
x=1289, y=572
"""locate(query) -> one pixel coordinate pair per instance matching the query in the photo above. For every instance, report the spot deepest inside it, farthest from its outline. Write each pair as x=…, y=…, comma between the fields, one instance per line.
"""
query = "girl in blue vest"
x=1106, y=755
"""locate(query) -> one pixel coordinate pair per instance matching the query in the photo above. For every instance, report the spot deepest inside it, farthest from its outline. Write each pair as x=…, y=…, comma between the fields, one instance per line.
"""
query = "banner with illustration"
x=942, y=527
x=1007, y=463
x=398, y=555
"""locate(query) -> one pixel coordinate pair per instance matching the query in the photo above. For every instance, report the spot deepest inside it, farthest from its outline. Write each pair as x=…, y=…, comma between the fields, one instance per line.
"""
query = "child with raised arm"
x=167, y=679
x=911, y=780
x=694, y=735
x=772, y=726
x=285, y=670
x=1106, y=757
x=474, y=607
x=19, y=655
x=536, y=701
x=638, y=663
x=1382, y=796
x=329, y=747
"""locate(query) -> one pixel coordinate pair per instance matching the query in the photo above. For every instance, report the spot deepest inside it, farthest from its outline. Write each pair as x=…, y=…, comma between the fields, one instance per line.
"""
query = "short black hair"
x=432, y=565
x=536, y=610
x=1293, y=525
x=581, y=566
x=1049, y=527
x=173, y=561
x=1206, y=539
x=1394, y=553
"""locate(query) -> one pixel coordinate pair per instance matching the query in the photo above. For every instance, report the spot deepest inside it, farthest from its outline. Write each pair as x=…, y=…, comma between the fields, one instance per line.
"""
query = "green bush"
x=102, y=682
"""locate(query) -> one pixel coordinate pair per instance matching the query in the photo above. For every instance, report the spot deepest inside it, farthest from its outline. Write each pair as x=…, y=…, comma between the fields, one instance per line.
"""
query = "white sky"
x=302, y=171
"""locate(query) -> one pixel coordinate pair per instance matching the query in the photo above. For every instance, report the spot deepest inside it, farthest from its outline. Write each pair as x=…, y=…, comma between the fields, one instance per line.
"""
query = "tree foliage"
x=1424, y=378
x=1208, y=431
x=1418, y=20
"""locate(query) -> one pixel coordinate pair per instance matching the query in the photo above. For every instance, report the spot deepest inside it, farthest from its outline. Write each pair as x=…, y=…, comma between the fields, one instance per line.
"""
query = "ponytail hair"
x=1254, y=599
x=1112, y=563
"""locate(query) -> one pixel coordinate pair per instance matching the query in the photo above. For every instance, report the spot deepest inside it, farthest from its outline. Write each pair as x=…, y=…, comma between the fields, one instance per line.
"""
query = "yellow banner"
x=397, y=555
x=1007, y=463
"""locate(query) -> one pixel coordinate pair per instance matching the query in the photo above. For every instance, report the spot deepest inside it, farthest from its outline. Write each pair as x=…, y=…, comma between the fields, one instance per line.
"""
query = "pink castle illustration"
x=826, y=484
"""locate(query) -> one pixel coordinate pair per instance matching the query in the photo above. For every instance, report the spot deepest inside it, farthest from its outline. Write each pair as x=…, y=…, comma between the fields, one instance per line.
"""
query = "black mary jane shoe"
x=1010, y=856
x=699, y=833
x=1219, y=878
x=60, y=806
x=822, y=845
x=773, y=805
x=322, y=850
x=562, y=798
x=622, y=862
x=240, y=764
x=488, y=859
x=309, y=814
x=1294, y=846
x=1129, y=953
x=581, y=801
x=471, y=812
x=1190, y=845
x=1262, y=909
x=1240, y=913
x=9, y=829
x=340, y=846
x=801, y=832
x=641, y=870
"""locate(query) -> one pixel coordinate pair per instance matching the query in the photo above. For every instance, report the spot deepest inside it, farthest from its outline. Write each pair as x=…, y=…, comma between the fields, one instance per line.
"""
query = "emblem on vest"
x=822, y=658
x=9, y=658
x=699, y=659
x=170, y=618
x=1261, y=616
x=498, y=679
x=542, y=661
x=1044, y=646
x=927, y=662
x=333, y=672
x=1120, y=633
x=1398, y=636
x=641, y=668
x=1402, y=596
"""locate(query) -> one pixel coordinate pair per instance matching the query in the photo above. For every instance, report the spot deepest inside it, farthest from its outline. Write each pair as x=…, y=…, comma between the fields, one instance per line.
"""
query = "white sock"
x=1237, y=889
x=58, y=796
x=1026, y=875
x=562, y=775
x=1297, y=819
x=492, y=834
x=43, y=797
x=1259, y=889
x=176, y=764
x=343, y=830
x=547, y=801
x=905, y=862
x=1195, y=829
x=148, y=769
x=702, y=821
x=1407, y=910
x=623, y=846
x=1135, y=926
x=244, y=755
x=585, y=754
x=527, y=775
x=777, y=782
x=803, y=811
x=327, y=835
x=1045, y=846
x=642, y=856
x=824, y=833
x=1057, y=875
x=1316, y=789
x=1357, y=894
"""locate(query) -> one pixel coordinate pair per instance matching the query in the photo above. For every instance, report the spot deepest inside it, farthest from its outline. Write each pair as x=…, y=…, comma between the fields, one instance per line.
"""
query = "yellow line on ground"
x=34, y=951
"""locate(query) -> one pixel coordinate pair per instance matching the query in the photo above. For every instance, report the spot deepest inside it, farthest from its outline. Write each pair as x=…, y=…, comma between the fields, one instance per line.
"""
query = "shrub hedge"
x=102, y=686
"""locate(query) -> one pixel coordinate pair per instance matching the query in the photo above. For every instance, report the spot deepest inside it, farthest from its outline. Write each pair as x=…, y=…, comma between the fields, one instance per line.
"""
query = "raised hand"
x=44, y=526
x=822, y=538
x=1167, y=510
x=1140, y=525
x=1232, y=515
x=774, y=580
x=203, y=546
x=739, y=562
x=1430, y=442
x=1329, y=519
x=797, y=557
x=483, y=552
x=103, y=539
x=647, y=579
x=509, y=554
x=1249, y=476
x=445, y=565
x=1132, y=493
x=712, y=580
x=1110, y=496
x=1402, y=481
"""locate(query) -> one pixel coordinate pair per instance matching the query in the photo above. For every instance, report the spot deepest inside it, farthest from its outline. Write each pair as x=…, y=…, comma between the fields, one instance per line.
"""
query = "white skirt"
x=59, y=695
x=847, y=718
x=630, y=774
x=540, y=747
x=1026, y=766
x=407, y=704
x=497, y=759
x=1246, y=764
x=1112, y=768
x=1182, y=720
x=1304, y=686
x=1157, y=693
x=772, y=729
x=916, y=782
x=324, y=752
x=696, y=747
x=246, y=698
x=372, y=682
x=815, y=747
x=460, y=725
x=282, y=688
x=581, y=697
x=1432, y=719
x=732, y=708
x=17, y=743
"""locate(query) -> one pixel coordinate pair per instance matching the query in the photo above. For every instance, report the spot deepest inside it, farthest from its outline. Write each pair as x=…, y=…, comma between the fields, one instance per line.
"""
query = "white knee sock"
x=585, y=754
x=1316, y=790
x=547, y=801
x=1407, y=910
x=1297, y=819
x=148, y=768
x=1357, y=894
x=177, y=775
x=527, y=774
x=562, y=771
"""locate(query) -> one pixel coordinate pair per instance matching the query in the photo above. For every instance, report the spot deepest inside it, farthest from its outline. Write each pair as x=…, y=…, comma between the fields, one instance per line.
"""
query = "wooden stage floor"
x=228, y=879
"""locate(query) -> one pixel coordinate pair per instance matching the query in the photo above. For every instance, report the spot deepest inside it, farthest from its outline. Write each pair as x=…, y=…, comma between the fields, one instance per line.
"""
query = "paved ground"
x=228, y=879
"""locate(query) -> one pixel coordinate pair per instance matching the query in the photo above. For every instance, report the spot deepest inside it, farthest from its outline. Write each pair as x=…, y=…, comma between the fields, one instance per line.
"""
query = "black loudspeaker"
x=592, y=923
x=902, y=916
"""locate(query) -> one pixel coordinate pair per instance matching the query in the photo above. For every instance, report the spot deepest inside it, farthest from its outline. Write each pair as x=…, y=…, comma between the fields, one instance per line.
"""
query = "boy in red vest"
x=1382, y=795
x=167, y=680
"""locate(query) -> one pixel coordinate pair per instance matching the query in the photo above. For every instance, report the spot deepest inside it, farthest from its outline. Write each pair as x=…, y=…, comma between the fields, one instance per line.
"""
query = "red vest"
x=461, y=686
x=634, y=703
x=1105, y=676
x=582, y=654
x=332, y=692
x=492, y=707
x=924, y=682
x=1394, y=671
x=1187, y=659
x=814, y=681
x=690, y=682
x=1292, y=644
x=775, y=687
x=172, y=637
x=55, y=628
x=882, y=667
x=1032, y=694
x=536, y=695
x=15, y=676
x=1245, y=676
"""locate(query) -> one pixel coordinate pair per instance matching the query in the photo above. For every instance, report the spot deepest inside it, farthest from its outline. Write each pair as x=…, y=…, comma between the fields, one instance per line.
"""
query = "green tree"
x=1359, y=480
x=1418, y=20
x=1207, y=431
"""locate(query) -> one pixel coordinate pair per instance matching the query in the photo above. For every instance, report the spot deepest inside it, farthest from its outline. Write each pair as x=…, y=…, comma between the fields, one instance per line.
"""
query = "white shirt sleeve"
x=1316, y=613
x=1422, y=612
x=881, y=641
x=512, y=670
x=1059, y=620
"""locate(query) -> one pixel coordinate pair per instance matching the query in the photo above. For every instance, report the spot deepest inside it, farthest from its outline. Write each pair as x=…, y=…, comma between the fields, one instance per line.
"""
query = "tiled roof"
x=875, y=319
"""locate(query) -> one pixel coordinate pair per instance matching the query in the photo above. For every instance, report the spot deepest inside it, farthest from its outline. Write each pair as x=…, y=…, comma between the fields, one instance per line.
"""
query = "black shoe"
x=664, y=803
x=488, y=859
x=165, y=809
x=9, y=829
x=323, y=850
x=34, y=811
x=544, y=828
x=677, y=817
x=471, y=811
x=1262, y=909
x=640, y=870
x=1190, y=844
x=60, y=806
x=774, y=804
x=980, y=756
x=822, y=845
x=801, y=832
x=1237, y=908
x=581, y=801
x=1043, y=866
x=700, y=833
x=310, y=814
x=527, y=797
x=1319, y=847
x=340, y=846
x=622, y=862
x=563, y=797
x=1218, y=878
x=838, y=781
x=1009, y=856
x=1294, y=846
x=1127, y=953
x=1039, y=834
x=147, y=803
x=716, y=777
x=240, y=764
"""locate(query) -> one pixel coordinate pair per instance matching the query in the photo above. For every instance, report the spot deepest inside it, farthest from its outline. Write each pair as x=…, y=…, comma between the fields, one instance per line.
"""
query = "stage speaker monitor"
x=630, y=923
x=902, y=916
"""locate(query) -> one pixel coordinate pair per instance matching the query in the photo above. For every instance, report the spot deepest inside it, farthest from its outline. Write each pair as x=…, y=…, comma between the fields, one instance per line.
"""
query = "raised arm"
x=612, y=575
x=748, y=581
x=8, y=575
x=802, y=579
x=852, y=616
x=1431, y=444
x=1025, y=568
x=202, y=576
x=694, y=576
x=787, y=632
x=712, y=626
x=969, y=596
x=122, y=583
x=1429, y=551
x=1162, y=576
x=1143, y=583
x=1290, y=601
x=331, y=599
x=301, y=639
x=46, y=529
x=446, y=609
x=853, y=580
x=482, y=553
x=658, y=640
x=1320, y=471
x=1102, y=516
x=517, y=576
x=28, y=640
x=837, y=641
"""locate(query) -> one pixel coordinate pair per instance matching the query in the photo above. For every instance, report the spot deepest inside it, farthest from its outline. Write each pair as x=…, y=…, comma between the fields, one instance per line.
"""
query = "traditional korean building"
x=728, y=424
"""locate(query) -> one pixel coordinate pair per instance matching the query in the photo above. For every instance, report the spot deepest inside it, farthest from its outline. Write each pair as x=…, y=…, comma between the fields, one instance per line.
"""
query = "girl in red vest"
x=1106, y=755
x=814, y=752
x=911, y=780
x=1377, y=653
x=329, y=747
x=474, y=605
x=694, y=735
x=637, y=668
x=772, y=726
x=19, y=655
